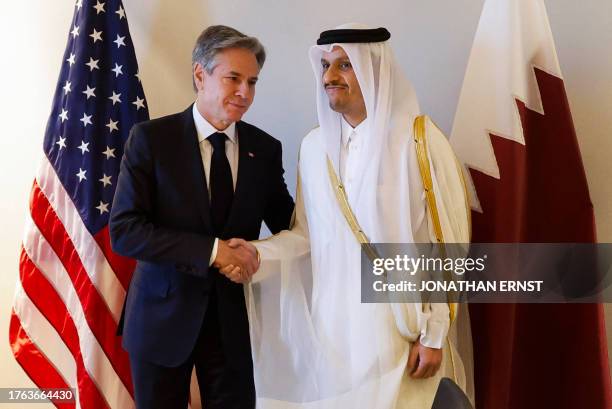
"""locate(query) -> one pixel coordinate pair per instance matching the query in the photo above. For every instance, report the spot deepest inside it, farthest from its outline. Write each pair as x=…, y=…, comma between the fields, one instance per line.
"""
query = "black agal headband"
x=351, y=35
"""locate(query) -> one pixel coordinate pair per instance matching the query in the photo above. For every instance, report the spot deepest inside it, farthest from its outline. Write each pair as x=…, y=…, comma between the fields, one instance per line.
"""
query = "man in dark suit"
x=189, y=182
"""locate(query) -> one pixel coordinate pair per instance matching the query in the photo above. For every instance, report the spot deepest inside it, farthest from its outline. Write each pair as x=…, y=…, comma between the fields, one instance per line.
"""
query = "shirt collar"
x=349, y=133
x=205, y=129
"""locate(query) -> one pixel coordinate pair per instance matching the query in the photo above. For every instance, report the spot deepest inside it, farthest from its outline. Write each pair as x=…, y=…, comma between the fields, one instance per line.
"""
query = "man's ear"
x=198, y=76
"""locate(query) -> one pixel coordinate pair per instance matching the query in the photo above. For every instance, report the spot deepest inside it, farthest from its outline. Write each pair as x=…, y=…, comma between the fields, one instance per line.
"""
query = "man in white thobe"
x=315, y=344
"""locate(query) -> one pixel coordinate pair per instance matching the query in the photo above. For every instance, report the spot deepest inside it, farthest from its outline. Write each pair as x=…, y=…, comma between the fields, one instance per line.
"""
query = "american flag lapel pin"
x=251, y=155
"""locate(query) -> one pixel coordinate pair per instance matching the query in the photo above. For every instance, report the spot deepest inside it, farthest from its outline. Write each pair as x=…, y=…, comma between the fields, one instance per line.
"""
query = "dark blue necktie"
x=221, y=184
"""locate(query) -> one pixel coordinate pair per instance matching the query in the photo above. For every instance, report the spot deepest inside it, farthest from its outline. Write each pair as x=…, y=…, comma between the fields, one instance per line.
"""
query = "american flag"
x=71, y=288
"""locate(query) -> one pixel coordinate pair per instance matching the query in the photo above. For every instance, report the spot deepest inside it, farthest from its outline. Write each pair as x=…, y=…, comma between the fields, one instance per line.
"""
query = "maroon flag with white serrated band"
x=514, y=133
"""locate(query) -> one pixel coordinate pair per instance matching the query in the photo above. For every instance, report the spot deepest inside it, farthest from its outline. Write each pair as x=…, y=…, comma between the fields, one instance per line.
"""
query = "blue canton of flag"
x=97, y=100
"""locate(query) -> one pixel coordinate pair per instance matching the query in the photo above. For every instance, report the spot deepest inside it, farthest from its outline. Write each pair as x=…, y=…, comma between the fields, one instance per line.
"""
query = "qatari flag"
x=71, y=285
x=513, y=131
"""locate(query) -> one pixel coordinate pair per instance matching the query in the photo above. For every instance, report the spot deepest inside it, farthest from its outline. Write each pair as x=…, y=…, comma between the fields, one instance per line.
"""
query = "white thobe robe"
x=315, y=344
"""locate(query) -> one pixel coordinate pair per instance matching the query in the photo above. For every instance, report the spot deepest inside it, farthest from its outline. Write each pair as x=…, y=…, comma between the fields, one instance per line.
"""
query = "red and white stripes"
x=68, y=303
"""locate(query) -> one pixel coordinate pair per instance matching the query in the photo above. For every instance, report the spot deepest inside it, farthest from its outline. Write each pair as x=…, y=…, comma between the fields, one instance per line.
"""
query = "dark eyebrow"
x=341, y=60
x=237, y=74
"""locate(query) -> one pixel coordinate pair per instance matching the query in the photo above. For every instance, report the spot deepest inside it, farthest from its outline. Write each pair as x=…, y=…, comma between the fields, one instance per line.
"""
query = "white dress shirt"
x=351, y=138
x=204, y=130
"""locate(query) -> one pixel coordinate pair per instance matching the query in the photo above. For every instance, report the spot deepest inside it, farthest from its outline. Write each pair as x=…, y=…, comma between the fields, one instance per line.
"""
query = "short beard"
x=337, y=107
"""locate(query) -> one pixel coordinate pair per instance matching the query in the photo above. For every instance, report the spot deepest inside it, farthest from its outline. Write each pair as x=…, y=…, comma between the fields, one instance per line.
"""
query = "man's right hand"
x=237, y=260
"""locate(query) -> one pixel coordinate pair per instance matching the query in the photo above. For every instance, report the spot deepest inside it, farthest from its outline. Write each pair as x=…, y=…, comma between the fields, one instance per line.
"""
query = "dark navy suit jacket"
x=161, y=217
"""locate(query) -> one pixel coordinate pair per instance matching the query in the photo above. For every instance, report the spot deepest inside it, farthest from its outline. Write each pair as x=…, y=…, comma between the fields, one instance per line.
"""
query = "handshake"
x=237, y=259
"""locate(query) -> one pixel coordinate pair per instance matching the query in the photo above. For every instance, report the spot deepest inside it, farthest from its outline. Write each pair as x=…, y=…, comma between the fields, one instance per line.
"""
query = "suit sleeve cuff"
x=213, y=253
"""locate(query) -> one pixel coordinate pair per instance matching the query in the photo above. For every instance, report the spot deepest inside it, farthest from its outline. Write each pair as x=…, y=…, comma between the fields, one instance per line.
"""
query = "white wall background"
x=432, y=40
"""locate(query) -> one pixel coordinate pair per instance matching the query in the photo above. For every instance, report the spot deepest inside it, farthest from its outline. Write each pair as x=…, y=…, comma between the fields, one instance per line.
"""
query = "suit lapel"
x=194, y=159
x=245, y=177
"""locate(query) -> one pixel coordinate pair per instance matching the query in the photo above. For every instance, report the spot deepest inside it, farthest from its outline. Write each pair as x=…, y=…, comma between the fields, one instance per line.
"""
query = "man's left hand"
x=423, y=361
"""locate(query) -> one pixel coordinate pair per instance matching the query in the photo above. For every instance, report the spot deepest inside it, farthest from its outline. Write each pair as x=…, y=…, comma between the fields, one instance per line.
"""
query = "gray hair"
x=215, y=39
